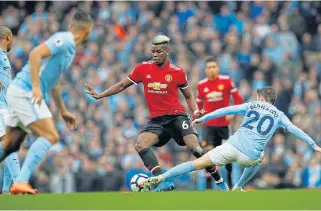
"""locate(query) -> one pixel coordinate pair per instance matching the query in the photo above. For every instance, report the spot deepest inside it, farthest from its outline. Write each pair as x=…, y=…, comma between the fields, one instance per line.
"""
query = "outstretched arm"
x=237, y=109
x=291, y=128
x=135, y=77
x=115, y=89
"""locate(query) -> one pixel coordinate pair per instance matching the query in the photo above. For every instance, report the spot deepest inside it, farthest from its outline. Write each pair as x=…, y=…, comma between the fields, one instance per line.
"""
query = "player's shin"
x=6, y=180
x=178, y=170
x=11, y=171
x=13, y=164
x=247, y=175
x=229, y=174
x=150, y=161
x=36, y=153
x=3, y=155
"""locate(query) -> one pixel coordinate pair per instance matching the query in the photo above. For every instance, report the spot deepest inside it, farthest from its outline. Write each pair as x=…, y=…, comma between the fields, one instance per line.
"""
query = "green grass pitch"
x=189, y=200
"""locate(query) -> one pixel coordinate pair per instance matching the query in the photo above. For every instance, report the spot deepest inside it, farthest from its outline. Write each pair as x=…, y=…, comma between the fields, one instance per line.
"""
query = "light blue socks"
x=179, y=170
x=11, y=171
x=247, y=175
x=1, y=153
x=36, y=153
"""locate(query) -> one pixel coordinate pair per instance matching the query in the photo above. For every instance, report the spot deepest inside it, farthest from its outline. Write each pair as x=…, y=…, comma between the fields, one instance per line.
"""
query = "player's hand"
x=317, y=148
x=70, y=119
x=2, y=86
x=36, y=95
x=91, y=91
x=199, y=113
x=196, y=122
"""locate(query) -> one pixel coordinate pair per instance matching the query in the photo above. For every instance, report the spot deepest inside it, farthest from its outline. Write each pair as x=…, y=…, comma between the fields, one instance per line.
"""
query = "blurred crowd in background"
x=256, y=43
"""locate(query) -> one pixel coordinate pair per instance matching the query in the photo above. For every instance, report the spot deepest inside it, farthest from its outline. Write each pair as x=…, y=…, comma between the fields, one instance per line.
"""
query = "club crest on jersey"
x=157, y=86
x=59, y=42
x=168, y=78
x=220, y=87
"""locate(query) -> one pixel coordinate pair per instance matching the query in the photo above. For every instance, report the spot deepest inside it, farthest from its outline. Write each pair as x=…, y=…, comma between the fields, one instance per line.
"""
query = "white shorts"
x=21, y=109
x=4, y=114
x=227, y=153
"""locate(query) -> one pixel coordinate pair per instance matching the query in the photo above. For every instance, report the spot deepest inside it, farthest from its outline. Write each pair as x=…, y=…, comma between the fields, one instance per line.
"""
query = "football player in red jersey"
x=214, y=93
x=162, y=80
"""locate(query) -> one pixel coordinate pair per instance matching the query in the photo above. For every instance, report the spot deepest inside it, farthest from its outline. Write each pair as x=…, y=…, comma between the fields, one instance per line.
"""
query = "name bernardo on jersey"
x=262, y=106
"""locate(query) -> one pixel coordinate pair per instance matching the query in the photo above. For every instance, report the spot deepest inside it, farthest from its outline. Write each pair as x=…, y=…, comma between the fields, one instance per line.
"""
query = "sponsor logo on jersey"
x=157, y=88
x=214, y=96
x=59, y=42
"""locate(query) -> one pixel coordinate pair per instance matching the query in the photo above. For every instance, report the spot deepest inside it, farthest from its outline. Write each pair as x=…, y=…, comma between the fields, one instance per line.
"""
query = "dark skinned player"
x=168, y=118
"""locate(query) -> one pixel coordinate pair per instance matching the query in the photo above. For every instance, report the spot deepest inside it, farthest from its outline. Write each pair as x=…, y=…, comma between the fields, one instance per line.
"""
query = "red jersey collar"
x=165, y=66
x=215, y=79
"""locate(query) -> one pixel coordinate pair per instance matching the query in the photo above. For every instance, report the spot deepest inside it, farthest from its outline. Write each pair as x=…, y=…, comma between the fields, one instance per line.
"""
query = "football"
x=136, y=180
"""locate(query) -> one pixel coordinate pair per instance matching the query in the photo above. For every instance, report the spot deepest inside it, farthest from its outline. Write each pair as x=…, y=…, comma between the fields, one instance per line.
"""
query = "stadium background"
x=256, y=43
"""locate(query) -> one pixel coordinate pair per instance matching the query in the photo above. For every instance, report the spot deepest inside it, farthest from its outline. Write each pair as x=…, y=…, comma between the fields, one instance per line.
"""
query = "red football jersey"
x=161, y=86
x=213, y=95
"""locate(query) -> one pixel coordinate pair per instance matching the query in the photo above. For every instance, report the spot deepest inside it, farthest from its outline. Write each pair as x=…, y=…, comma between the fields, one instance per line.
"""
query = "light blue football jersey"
x=260, y=122
x=63, y=51
x=5, y=77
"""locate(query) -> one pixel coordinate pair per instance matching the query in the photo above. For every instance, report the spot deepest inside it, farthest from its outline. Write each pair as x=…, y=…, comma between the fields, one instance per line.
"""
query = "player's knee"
x=13, y=146
x=139, y=146
x=55, y=137
x=203, y=162
x=197, y=152
x=52, y=137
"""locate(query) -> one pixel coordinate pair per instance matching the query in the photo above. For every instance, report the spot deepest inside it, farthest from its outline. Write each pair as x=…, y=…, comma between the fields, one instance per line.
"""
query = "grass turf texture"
x=192, y=200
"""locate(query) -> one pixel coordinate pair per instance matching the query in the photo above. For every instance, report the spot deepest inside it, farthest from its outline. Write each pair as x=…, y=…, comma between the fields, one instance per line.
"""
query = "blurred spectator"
x=224, y=20
x=296, y=22
x=273, y=51
x=312, y=173
x=316, y=42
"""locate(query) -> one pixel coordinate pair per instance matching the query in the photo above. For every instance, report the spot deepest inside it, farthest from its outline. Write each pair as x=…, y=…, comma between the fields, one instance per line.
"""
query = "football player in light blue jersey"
x=246, y=146
x=12, y=167
x=40, y=76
